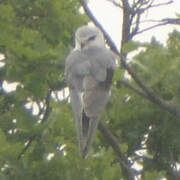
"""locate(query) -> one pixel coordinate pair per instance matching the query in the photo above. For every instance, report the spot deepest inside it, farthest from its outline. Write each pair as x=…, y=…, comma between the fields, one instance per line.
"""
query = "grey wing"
x=97, y=85
x=96, y=88
x=76, y=68
x=101, y=60
x=74, y=78
x=77, y=108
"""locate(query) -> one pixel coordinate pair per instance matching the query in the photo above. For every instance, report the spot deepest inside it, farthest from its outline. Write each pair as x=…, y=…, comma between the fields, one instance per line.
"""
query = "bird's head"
x=87, y=36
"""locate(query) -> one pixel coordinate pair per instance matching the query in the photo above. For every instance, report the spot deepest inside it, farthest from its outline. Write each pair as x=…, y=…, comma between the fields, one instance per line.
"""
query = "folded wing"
x=89, y=76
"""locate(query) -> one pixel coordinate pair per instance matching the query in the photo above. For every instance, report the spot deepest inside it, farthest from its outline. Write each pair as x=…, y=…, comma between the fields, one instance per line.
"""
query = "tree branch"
x=128, y=85
x=175, y=21
x=151, y=95
x=48, y=108
x=106, y=35
x=135, y=30
x=151, y=27
x=161, y=4
x=123, y=160
x=147, y=5
x=31, y=139
x=127, y=20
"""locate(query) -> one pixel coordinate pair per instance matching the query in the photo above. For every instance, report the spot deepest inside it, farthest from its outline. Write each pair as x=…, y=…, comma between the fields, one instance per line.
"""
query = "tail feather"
x=90, y=128
x=85, y=124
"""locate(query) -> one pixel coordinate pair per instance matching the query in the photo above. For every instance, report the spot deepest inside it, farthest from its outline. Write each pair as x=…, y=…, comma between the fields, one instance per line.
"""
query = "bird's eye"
x=92, y=38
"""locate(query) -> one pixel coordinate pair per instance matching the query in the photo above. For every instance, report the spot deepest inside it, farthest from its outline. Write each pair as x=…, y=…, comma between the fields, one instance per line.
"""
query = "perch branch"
x=123, y=160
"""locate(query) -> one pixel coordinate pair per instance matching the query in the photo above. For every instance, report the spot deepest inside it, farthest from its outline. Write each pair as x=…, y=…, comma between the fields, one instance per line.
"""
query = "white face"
x=88, y=36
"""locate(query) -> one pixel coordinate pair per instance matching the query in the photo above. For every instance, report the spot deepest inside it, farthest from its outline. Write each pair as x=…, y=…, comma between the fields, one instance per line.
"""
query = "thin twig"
x=115, y=3
x=162, y=4
x=128, y=85
x=149, y=21
x=139, y=10
x=135, y=30
x=139, y=6
x=175, y=21
x=28, y=144
x=48, y=108
x=151, y=27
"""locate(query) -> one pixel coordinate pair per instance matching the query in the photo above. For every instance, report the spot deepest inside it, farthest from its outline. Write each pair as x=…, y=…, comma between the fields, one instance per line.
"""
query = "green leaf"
x=132, y=45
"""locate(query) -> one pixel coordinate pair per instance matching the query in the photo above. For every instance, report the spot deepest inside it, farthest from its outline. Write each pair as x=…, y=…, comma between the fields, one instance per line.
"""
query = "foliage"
x=35, y=37
x=141, y=124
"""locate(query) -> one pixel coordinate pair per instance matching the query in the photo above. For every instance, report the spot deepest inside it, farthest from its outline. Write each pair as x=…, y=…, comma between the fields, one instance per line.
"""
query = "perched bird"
x=88, y=72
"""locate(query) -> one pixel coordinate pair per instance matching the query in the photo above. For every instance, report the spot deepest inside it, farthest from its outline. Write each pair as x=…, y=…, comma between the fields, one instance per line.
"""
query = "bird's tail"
x=85, y=126
x=89, y=126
